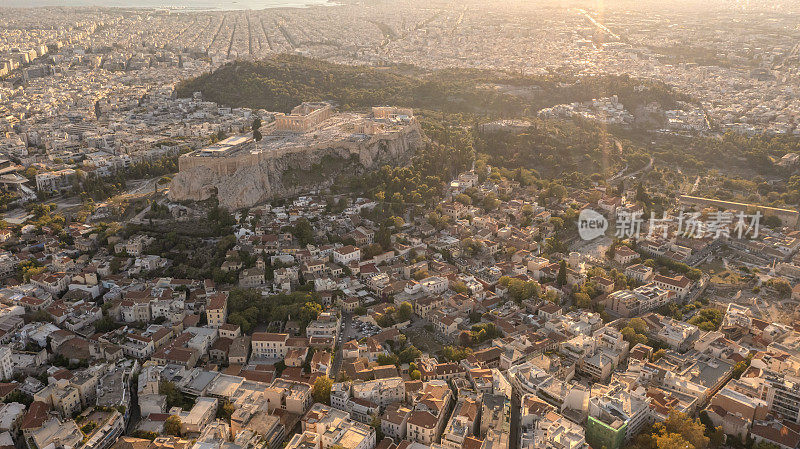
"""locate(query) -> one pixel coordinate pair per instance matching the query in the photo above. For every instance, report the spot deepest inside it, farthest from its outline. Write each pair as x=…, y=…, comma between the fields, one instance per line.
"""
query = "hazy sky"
x=191, y=4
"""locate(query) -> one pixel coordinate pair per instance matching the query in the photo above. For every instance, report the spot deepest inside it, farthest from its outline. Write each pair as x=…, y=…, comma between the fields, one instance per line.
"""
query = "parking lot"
x=363, y=329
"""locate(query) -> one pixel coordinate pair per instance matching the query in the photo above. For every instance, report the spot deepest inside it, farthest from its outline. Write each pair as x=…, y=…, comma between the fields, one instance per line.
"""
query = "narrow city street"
x=344, y=336
x=513, y=438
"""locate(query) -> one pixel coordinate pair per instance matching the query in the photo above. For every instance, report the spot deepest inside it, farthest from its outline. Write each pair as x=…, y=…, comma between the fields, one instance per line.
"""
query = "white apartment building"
x=346, y=254
x=6, y=367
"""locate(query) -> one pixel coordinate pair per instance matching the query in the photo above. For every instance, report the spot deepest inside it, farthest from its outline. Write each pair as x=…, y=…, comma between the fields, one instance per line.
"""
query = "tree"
x=638, y=325
x=279, y=367
x=641, y=193
x=105, y=324
x=322, y=389
x=772, y=221
x=415, y=374
x=708, y=319
x=388, y=359
x=463, y=199
x=611, y=252
x=561, y=279
x=520, y=290
x=455, y=353
x=257, y=135
x=409, y=354
x=554, y=245
x=717, y=437
x=680, y=427
x=582, y=300
x=303, y=231
x=557, y=191
x=782, y=286
x=420, y=275
x=42, y=316
x=376, y=424
x=383, y=238
x=671, y=441
x=631, y=336
x=404, y=312
x=309, y=312
x=225, y=410
x=371, y=250
x=18, y=396
x=459, y=287
x=558, y=223
x=740, y=368
x=172, y=426
x=174, y=397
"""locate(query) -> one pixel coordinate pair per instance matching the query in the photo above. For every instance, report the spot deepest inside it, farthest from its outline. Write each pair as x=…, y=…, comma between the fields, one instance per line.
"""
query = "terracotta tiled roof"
x=36, y=415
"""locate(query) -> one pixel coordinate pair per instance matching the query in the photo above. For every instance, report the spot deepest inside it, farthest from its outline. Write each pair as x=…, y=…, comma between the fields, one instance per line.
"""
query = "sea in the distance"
x=187, y=5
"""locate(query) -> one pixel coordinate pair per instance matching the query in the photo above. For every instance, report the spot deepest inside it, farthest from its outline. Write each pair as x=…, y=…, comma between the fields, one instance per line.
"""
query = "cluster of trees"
x=220, y=220
x=782, y=286
x=172, y=426
x=193, y=257
x=174, y=397
x=418, y=185
x=553, y=147
x=633, y=93
x=281, y=82
x=635, y=331
x=479, y=333
x=678, y=267
x=247, y=308
x=707, y=319
x=302, y=231
x=106, y=324
x=679, y=431
x=6, y=198
x=519, y=290
x=158, y=211
x=394, y=315
x=455, y=353
x=677, y=312
x=19, y=397
x=44, y=215
x=322, y=390
x=401, y=356
x=28, y=268
x=450, y=102
x=753, y=155
x=99, y=188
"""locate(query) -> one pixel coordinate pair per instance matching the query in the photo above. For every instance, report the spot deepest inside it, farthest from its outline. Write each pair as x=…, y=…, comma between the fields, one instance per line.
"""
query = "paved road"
x=142, y=187
x=641, y=170
x=136, y=414
x=344, y=337
x=513, y=437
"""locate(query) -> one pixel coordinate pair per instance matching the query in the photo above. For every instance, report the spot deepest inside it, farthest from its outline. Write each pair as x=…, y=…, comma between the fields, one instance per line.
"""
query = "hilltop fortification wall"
x=246, y=178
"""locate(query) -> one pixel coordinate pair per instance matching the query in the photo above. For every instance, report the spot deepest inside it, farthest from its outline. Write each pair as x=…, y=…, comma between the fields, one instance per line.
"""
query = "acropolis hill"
x=300, y=152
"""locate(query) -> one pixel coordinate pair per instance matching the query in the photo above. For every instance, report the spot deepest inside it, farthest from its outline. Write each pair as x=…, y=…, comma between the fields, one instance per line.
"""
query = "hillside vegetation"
x=283, y=81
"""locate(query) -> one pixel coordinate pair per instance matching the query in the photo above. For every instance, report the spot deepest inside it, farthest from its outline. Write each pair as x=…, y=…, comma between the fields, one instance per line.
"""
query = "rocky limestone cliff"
x=245, y=181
